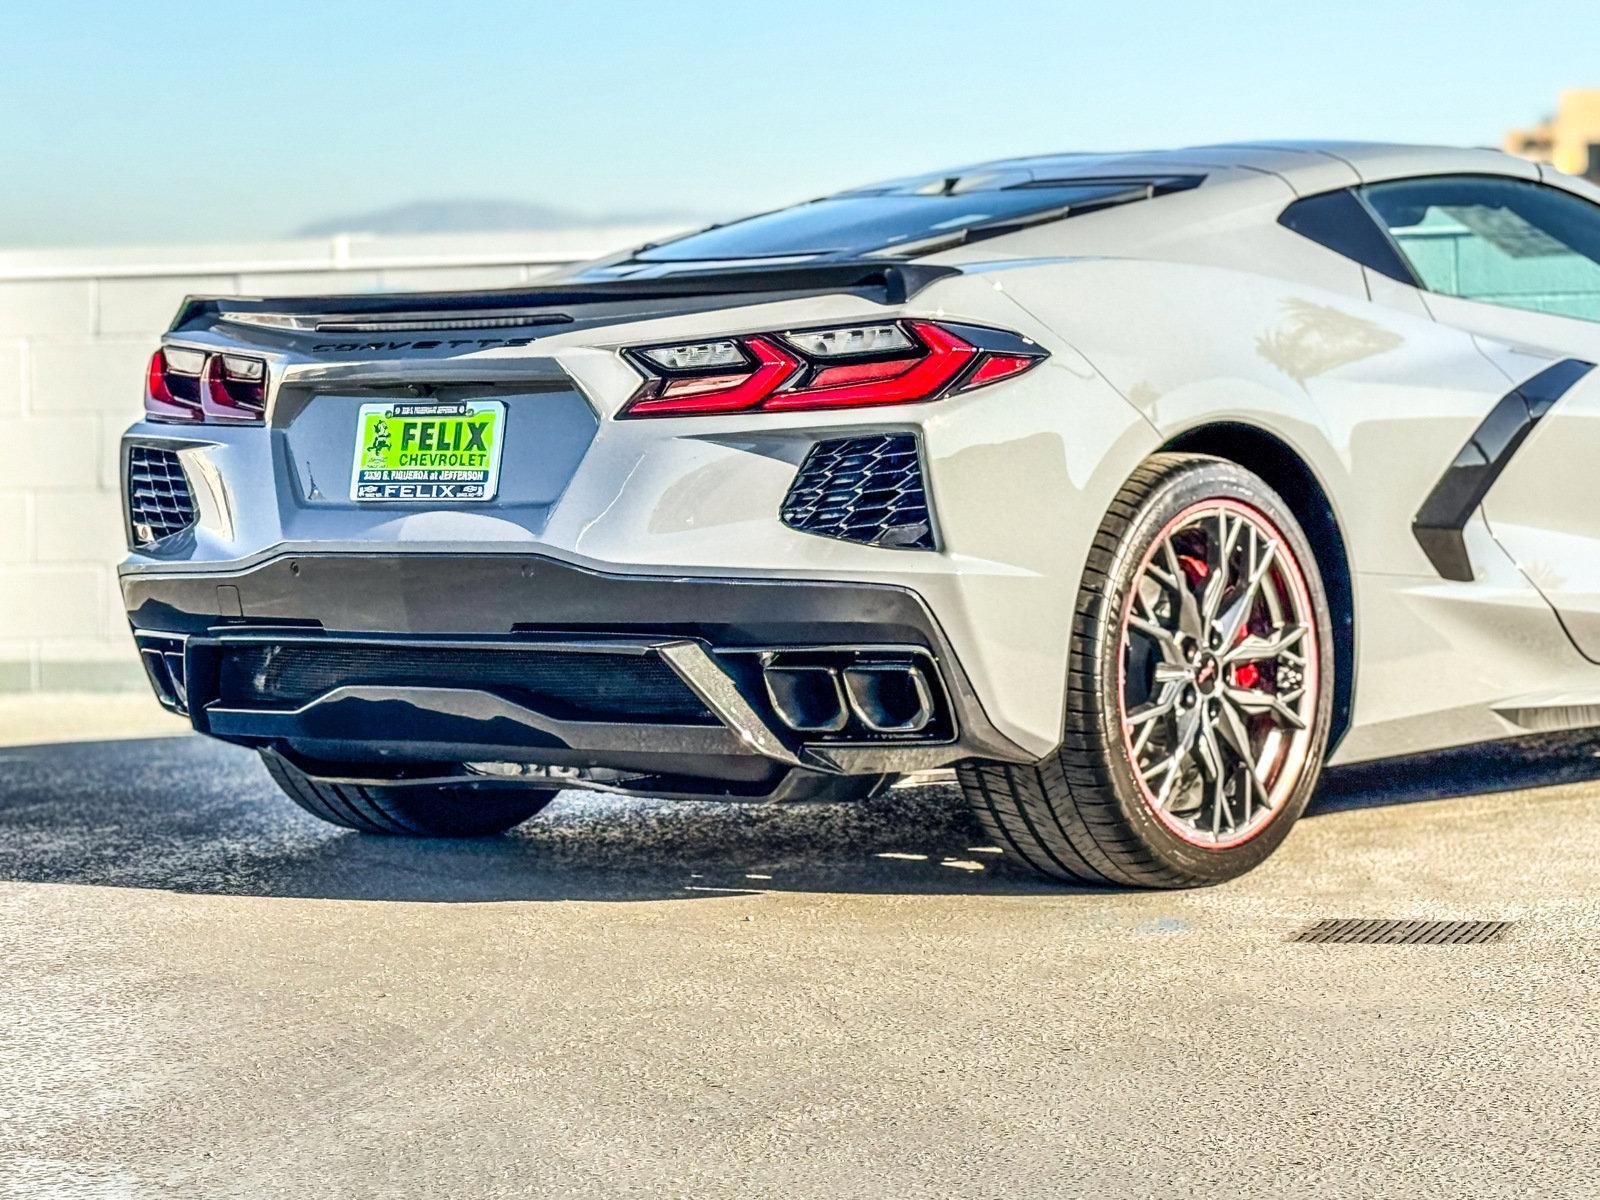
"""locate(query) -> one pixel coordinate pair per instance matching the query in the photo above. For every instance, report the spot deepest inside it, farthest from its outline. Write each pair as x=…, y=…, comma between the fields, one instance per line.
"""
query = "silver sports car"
x=1133, y=487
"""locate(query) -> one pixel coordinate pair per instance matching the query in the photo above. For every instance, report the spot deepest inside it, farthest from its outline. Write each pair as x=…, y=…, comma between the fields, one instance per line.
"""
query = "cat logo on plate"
x=428, y=452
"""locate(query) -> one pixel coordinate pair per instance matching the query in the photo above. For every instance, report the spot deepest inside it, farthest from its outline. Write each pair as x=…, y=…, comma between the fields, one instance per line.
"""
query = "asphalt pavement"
x=208, y=993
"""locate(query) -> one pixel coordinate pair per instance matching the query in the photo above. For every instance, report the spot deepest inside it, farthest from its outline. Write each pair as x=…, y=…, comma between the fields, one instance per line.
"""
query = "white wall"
x=76, y=329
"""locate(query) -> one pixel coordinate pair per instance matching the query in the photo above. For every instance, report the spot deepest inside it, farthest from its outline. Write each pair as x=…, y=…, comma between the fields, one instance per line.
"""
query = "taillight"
x=191, y=385
x=172, y=386
x=851, y=366
x=236, y=388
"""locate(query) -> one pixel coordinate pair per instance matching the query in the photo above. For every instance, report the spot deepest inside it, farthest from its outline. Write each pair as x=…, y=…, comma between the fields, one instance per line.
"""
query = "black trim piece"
x=1340, y=222
x=867, y=489
x=1155, y=185
x=1444, y=514
x=586, y=684
x=402, y=595
x=893, y=283
x=490, y=595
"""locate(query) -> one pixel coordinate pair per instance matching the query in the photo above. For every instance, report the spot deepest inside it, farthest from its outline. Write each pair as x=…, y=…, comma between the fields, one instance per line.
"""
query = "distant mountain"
x=480, y=216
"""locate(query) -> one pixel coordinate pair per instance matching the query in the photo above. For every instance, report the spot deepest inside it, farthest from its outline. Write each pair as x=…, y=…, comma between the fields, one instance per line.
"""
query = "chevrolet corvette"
x=1134, y=488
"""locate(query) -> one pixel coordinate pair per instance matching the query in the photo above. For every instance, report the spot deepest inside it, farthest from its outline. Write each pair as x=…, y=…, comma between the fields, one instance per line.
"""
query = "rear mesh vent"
x=571, y=685
x=159, y=501
x=863, y=489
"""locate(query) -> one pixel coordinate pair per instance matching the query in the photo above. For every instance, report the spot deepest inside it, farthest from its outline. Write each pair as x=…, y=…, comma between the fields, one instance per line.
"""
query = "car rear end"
x=684, y=536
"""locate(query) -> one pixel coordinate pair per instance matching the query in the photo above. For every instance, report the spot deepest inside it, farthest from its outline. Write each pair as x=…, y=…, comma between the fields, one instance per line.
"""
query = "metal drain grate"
x=1366, y=931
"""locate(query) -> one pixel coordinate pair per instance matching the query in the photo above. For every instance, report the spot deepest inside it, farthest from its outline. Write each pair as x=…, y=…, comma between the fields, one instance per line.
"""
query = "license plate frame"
x=432, y=452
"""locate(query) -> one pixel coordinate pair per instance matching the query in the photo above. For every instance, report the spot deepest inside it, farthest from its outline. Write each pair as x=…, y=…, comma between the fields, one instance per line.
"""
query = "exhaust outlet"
x=807, y=699
x=164, y=664
x=889, y=697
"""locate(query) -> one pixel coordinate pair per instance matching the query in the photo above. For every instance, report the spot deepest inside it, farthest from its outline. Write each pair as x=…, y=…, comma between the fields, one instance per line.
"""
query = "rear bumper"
x=712, y=635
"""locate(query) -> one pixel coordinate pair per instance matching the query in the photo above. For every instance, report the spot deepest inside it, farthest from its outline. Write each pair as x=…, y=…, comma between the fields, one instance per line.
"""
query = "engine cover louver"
x=863, y=489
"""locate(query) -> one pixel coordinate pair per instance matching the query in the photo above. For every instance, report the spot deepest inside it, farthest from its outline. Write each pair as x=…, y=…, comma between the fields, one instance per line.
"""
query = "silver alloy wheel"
x=1218, y=674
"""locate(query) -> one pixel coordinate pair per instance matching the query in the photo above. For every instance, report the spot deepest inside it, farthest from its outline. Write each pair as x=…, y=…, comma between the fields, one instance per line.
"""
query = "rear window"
x=901, y=221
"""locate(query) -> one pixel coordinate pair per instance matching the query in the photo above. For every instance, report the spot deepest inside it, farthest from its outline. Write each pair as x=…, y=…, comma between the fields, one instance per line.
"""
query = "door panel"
x=1517, y=264
x=1544, y=509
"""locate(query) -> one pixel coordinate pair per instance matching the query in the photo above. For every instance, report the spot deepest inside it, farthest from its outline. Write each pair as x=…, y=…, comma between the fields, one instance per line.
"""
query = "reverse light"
x=697, y=356
x=854, y=366
x=838, y=343
x=193, y=386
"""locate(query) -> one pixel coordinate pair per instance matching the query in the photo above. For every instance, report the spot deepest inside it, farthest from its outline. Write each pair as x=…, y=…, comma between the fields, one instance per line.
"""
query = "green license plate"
x=428, y=452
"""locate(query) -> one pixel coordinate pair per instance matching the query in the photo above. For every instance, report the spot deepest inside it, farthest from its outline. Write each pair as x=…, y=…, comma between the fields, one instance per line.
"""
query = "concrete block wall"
x=76, y=330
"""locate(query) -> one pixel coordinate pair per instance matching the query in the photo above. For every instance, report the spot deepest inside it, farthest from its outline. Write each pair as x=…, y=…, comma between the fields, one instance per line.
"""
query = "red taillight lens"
x=922, y=378
x=846, y=367
x=236, y=388
x=721, y=392
x=172, y=385
x=191, y=385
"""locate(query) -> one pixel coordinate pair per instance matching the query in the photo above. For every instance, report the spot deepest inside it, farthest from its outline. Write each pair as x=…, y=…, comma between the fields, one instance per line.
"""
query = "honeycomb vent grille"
x=160, y=503
x=863, y=489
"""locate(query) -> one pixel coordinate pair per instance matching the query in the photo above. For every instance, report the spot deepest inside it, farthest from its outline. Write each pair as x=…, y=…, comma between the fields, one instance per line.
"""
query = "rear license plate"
x=426, y=452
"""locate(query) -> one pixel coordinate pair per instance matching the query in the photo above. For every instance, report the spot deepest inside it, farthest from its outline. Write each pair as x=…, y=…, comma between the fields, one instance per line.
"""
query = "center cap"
x=1207, y=673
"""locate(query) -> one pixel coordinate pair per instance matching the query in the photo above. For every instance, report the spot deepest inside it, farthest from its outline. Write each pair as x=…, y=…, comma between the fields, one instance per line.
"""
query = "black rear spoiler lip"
x=893, y=283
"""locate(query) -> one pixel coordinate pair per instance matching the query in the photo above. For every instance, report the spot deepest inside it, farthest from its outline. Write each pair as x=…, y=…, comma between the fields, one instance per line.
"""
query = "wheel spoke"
x=1275, y=705
x=1259, y=649
x=1217, y=584
x=1188, y=610
x=1148, y=712
x=1166, y=641
x=1170, y=766
x=1141, y=741
x=1233, y=732
x=1188, y=728
x=1211, y=764
x=1238, y=613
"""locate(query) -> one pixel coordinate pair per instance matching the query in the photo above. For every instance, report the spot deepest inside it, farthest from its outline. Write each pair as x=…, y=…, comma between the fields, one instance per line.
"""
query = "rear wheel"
x=465, y=810
x=1199, y=691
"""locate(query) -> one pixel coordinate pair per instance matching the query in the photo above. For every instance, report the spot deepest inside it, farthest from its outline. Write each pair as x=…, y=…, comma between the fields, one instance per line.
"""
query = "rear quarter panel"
x=1376, y=402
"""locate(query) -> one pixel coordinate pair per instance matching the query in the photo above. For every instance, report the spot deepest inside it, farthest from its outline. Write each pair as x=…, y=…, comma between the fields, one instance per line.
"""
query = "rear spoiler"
x=886, y=283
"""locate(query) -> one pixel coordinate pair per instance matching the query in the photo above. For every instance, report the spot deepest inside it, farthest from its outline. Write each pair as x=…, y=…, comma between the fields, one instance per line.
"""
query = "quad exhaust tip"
x=892, y=698
x=808, y=699
x=889, y=698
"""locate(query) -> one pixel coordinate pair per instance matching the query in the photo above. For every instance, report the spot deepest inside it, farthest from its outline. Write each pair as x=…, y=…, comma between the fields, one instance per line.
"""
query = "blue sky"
x=168, y=122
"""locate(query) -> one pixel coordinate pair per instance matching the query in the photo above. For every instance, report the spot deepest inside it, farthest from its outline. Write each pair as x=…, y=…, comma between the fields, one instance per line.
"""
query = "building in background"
x=1570, y=140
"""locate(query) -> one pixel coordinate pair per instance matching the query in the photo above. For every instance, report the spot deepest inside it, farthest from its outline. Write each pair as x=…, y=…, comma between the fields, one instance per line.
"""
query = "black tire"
x=1082, y=814
x=463, y=811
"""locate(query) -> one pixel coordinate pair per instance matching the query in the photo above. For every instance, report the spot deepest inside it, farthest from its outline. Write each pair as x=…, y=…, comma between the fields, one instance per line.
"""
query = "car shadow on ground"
x=1546, y=760
x=189, y=815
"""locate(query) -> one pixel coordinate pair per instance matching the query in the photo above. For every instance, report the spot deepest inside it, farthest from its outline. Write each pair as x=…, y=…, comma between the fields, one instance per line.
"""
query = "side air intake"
x=863, y=489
